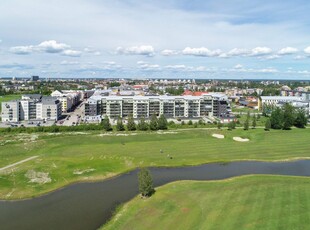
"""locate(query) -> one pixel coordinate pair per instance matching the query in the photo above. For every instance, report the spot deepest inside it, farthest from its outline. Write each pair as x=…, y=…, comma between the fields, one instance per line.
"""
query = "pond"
x=90, y=205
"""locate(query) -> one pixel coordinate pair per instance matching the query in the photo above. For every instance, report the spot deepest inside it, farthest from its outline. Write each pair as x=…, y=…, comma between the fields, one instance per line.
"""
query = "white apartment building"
x=208, y=105
x=31, y=108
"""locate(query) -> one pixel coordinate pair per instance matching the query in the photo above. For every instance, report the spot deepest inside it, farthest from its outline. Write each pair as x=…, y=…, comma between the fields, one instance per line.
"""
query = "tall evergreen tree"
x=106, y=125
x=119, y=125
x=268, y=125
x=154, y=122
x=131, y=126
x=142, y=125
x=146, y=187
x=162, y=122
x=231, y=125
x=288, y=116
x=254, y=122
x=301, y=119
x=276, y=119
x=247, y=122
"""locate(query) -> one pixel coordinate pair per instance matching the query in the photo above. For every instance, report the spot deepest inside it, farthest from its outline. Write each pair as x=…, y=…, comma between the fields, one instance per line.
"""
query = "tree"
x=154, y=123
x=231, y=125
x=146, y=187
x=162, y=122
x=254, y=122
x=247, y=122
x=268, y=125
x=190, y=122
x=131, y=126
x=276, y=119
x=288, y=116
x=106, y=125
x=142, y=125
x=119, y=125
x=301, y=119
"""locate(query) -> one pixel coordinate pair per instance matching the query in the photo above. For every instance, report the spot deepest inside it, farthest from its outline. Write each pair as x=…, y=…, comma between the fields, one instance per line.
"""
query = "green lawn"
x=64, y=156
x=252, y=202
x=8, y=98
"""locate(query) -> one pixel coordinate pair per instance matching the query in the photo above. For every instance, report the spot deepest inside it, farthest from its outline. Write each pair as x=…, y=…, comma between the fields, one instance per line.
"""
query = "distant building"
x=34, y=78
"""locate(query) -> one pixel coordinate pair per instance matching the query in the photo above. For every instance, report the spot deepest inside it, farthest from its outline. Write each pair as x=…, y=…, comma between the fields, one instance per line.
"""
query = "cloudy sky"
x=163, y=39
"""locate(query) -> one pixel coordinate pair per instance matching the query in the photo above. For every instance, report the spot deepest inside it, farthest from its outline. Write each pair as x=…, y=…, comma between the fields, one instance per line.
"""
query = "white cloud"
x=238, y=66
x=146, y=66
x=270, y=57
x=72, y=53
x=268, y=70
x=304, y=72
x=22, y=50
x=92, y=51
x=307, y=50
x=238, y=52
x=258, y=51
x=202, y=51
x=52, y=46
x=110, y=62
x=288, y=50
x=65, y=62
x=299, y=57
x=178, y=67
x=146, y=50
x=169, y=52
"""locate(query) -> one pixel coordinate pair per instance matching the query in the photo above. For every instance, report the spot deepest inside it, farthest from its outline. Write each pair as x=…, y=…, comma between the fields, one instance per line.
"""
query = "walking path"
x=19, y=162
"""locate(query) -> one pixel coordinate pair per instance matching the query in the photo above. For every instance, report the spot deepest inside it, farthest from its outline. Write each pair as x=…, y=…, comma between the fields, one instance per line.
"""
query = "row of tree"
x=286, y=117
x=154, y=124
x=246, y=124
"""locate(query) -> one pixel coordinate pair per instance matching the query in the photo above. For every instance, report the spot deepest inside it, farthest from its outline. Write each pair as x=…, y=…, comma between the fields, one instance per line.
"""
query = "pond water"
x=89, y=205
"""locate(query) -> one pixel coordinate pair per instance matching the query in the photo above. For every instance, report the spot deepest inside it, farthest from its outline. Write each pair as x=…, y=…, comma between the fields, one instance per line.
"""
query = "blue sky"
x=165, y=39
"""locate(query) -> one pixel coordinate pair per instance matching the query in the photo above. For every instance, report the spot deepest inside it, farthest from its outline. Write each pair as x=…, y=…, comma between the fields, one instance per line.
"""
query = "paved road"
x=19, y=162
x=75, y=116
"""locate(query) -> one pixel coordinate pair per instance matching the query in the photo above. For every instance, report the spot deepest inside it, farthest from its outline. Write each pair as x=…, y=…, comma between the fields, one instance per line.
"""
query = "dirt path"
x=19, y=162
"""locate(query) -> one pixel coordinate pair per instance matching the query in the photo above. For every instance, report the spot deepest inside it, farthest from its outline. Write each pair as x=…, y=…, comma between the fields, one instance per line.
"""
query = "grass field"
x=71, y=157
x=251, y=202
x=8, y=98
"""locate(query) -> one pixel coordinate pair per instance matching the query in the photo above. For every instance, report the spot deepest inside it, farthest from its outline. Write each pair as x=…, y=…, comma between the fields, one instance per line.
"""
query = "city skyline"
x=171, y=39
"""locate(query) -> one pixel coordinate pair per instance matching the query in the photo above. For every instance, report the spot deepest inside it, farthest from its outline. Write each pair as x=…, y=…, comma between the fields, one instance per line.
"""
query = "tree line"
x=155, y=123
x=286, y=117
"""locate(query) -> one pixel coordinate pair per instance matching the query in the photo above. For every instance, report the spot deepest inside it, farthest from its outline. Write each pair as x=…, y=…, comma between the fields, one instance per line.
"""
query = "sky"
x=227, y=39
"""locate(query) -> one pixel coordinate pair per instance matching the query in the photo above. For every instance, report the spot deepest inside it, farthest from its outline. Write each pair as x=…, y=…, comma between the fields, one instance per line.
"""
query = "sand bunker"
x=219, y=136
x=167, y=132
x=240, y=139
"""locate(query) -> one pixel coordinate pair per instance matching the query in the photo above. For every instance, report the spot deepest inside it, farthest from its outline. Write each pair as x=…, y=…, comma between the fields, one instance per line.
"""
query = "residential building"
x=207, y=105
x=68, y=99
x=31, y=107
